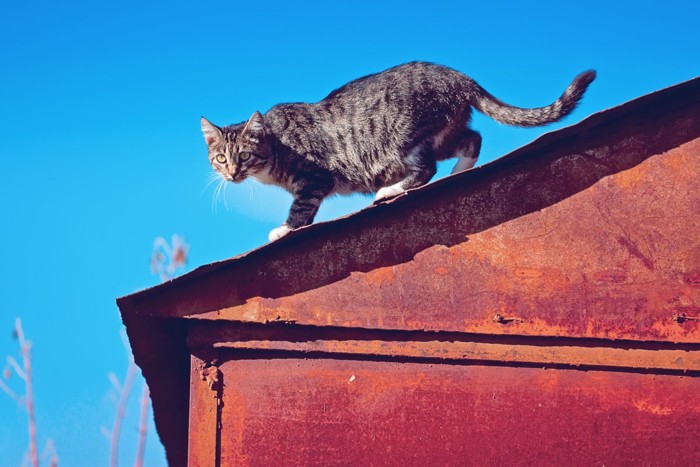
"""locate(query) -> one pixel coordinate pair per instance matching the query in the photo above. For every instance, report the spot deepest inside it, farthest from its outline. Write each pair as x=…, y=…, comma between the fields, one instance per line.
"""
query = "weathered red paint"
x=418, y=330
x=353, y=412
x=454, y=347
x=615, y=261
x=204, y=414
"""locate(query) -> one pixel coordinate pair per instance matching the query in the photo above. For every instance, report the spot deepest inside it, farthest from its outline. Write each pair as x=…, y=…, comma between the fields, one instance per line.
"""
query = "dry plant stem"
x=10, y=393
x=121, y=412
x=26, y=348
x=143, y=426
x=166, y=260
x=49, y=450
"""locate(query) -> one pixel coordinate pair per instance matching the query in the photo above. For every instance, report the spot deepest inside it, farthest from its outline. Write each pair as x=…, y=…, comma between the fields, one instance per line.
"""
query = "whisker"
x=215, y=198
x=212, y=178
x=222, y=194
x=250, y=188
x=225, y=200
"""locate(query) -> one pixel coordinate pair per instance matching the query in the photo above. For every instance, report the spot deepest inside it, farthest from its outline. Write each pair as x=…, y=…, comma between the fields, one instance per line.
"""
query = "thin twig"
x=10, y=392
x=121, y=412
x=15, y=366
x=166, y=260
x=143, y=426
x=115, y=381
x=25, y=347
x=49, y=451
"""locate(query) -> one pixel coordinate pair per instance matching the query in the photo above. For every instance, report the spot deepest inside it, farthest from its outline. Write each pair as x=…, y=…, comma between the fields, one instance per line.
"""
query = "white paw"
x=279, y=232
x=463, y=163
x=389, y=191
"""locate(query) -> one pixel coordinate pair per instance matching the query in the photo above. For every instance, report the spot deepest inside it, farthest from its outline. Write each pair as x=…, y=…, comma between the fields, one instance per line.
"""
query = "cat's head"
x=237, y=151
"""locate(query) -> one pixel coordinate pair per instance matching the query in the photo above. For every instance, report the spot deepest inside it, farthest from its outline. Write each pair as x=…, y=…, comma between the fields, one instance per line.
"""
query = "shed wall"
x=303, y=411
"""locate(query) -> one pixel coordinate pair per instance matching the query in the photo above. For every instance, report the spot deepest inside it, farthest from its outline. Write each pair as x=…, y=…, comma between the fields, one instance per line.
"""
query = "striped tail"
x=516, y=116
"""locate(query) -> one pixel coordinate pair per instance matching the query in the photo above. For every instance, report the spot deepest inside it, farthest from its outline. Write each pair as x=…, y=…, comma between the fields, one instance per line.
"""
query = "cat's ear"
x=255, y=126
x=212, y=133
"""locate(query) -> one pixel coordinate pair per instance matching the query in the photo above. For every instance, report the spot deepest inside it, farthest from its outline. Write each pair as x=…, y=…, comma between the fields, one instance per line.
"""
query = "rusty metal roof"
x=507, y=229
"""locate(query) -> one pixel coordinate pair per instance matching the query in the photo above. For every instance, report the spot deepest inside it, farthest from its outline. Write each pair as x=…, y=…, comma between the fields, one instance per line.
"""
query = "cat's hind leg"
x=421, y=164
x=466, y=147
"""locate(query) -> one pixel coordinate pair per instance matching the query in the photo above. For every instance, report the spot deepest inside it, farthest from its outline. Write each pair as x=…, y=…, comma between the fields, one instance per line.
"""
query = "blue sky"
x=101, y=150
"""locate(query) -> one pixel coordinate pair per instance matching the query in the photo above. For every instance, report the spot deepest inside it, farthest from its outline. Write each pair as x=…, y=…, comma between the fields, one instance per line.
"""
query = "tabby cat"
x=381, y=133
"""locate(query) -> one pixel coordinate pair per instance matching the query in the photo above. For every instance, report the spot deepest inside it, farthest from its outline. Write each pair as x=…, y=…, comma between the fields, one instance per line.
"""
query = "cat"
x=381, y=133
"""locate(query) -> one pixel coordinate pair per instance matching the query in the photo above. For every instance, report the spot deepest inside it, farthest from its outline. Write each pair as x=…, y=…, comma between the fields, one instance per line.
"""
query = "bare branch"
x=49, y=450
x=126, y=344
x=19, y=332
x=15, y=366
x=121, y=412
x=25, y=347
x=143, y=426
x=167, y=259
x=115, y=381
x=160, y=242
x=10, y=392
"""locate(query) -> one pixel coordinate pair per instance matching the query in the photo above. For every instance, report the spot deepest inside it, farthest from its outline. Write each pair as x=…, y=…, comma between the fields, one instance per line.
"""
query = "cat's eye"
x=244, y=156
x=220, y=158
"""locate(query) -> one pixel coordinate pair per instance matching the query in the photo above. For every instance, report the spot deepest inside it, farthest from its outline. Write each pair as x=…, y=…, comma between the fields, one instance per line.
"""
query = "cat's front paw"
x=279, y=232
x=387, y=192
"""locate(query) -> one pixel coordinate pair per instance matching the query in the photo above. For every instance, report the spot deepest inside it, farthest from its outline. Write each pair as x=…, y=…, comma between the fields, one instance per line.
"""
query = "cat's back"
x=402, y=79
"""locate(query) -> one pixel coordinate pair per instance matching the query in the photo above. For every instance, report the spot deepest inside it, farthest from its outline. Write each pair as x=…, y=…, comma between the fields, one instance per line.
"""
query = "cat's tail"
x=484, y=102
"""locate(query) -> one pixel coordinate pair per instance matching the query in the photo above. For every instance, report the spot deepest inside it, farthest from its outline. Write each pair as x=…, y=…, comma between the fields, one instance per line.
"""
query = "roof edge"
x=677, y=96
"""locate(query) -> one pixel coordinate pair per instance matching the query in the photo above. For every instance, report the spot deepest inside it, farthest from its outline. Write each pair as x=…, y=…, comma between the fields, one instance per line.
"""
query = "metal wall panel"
x=351, y=412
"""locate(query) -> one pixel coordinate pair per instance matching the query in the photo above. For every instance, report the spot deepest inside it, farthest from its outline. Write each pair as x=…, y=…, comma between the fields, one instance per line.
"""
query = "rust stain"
x=210, y=375
x=614, y=276
x=528, y=274
x=234, y=419
x=571, y=354
x=634, y=250
x=692, y=278
x=203, y=413
x=651, y=407
x=631, y=179
x=380, y=276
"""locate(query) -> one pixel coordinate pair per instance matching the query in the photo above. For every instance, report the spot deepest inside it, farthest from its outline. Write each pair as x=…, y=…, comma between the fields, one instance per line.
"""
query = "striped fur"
x=381, y=133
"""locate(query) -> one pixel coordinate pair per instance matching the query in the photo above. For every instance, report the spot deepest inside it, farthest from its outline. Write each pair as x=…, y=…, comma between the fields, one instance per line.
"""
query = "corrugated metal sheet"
x=577, y=251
